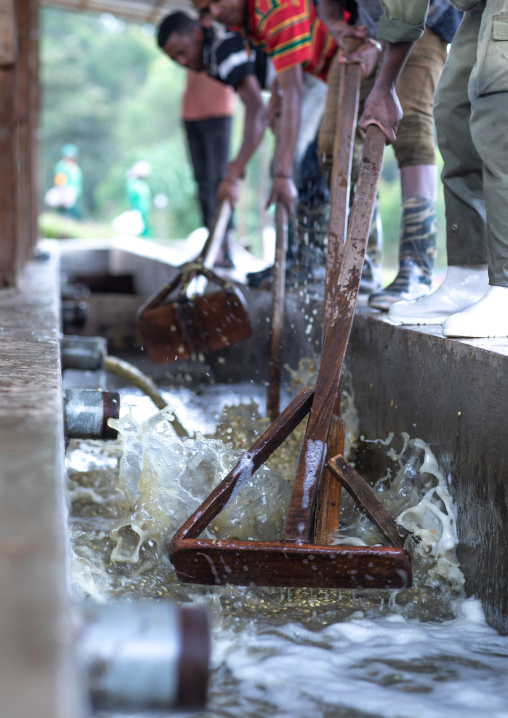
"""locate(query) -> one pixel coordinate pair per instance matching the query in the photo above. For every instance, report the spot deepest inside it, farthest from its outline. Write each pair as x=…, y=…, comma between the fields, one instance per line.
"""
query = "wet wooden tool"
x=180, y=319
x=329, y=490
x=277, y=320
x=295, y=560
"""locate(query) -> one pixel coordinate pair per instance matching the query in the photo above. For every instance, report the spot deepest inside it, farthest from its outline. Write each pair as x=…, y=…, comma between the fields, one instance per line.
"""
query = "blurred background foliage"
x=108, y=89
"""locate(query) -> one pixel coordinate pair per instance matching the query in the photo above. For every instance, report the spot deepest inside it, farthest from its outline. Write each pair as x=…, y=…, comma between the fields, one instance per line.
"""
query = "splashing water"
x=420, y=653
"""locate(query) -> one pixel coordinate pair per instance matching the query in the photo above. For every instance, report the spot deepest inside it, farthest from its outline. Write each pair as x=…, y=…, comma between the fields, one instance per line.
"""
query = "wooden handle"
x=347, y=115
x=216, y=235
x=312, y=455
x=277, y=319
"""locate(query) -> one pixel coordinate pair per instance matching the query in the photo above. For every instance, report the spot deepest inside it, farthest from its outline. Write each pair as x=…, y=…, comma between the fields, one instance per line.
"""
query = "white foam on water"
x=388, y=667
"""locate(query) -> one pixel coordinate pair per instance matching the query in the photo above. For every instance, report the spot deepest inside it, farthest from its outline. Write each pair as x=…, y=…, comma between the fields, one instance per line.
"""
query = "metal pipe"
x=85, y=353
x=148, y=656
x=86, y=413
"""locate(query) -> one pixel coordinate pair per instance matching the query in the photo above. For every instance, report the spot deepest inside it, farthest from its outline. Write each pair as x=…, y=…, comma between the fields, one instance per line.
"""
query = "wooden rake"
x=296, y=560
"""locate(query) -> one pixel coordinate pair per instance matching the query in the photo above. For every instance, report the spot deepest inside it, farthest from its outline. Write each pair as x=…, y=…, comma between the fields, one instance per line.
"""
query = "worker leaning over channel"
x=296, y=41
x=415, y=144
x=223, y=55
x=471, y=113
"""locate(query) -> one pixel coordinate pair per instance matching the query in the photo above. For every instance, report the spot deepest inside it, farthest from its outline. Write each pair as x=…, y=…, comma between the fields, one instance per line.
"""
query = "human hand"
x=383, y=109
x=367, y=56
x=340, y=30
x=283, y=190
x=228, y=190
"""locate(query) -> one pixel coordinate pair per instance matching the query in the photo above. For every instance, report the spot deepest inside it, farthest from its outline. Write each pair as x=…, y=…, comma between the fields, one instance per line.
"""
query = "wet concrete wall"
x=452, y=394
x=38, y=676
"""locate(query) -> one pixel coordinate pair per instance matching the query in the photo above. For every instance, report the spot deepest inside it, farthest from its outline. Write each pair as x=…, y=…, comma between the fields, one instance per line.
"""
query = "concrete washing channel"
x=450, y=393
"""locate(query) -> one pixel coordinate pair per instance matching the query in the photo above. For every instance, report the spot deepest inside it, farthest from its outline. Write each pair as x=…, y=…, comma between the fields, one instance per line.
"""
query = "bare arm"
x=283, y=188
x=254, y=128
x=382, y=107
x=331, y=13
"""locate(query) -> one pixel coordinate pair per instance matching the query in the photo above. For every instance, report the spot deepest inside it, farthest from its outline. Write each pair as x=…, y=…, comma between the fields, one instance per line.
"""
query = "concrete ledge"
x=37, y=676
x=453, y=394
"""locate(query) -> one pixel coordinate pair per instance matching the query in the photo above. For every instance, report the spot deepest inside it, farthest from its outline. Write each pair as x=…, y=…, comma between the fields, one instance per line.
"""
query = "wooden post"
x=8, y=169
x=23, y=134
x=33, y=108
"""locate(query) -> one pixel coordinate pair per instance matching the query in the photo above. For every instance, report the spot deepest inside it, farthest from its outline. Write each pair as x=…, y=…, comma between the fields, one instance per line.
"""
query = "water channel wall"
x=38, y=672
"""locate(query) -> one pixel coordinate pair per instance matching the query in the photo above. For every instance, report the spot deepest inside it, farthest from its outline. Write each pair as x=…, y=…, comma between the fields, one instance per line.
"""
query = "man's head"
x=181, y=38
x=229, y=12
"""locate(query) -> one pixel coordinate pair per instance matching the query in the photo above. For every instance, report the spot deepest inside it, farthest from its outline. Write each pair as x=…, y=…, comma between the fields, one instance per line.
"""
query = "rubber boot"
x=462, y=287
x=486, y=318
x=417, y=255
x=371, y=279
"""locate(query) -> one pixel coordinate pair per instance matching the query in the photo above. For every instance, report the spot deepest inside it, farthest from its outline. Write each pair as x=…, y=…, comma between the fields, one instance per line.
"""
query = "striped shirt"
x=228, y=58
x=291, y=33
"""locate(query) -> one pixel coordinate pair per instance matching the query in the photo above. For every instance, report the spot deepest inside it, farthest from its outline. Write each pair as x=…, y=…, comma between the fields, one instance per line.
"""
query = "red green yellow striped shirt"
x=291, y=33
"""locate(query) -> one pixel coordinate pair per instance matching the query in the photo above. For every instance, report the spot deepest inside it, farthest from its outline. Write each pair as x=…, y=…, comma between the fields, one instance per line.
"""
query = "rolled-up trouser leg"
x=488, y=92
x=415, y=144
x=466, y=225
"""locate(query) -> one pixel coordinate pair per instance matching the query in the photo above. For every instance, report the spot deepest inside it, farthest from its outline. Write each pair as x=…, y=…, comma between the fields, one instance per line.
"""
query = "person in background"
x=222, y=54
x=296, y=41
x=67, y=191
x=139, y=195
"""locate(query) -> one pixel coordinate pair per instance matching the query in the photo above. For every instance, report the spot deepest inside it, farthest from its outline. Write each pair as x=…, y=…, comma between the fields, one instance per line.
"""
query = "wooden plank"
x=301, y=510
x=362, y=493
x=277, y=319
x=258, y=563
x=261, y=450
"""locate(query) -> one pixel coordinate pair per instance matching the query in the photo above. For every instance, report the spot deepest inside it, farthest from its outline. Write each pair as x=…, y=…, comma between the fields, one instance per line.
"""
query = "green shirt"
x=403, y=20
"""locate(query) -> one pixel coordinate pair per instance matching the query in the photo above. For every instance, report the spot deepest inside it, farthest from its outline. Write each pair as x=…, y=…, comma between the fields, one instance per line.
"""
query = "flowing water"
x=420, y=653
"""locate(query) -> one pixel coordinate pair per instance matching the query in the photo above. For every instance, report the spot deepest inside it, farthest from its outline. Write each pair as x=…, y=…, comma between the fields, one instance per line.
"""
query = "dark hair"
x=176, y=22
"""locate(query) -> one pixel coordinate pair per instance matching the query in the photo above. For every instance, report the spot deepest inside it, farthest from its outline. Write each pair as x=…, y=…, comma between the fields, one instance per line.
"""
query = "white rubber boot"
x=463, y=286
x=486, y=318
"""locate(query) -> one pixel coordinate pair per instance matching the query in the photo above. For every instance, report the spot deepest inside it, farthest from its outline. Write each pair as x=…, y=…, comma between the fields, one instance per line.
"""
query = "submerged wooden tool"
x=295, y=560
x=180, y=320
